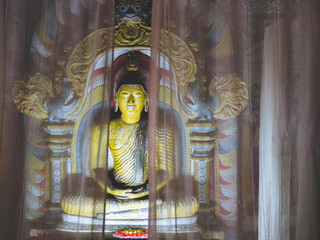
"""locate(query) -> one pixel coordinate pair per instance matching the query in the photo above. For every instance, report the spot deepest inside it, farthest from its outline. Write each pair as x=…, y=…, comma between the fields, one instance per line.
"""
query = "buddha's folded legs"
x=76, y=204
x=88, y=206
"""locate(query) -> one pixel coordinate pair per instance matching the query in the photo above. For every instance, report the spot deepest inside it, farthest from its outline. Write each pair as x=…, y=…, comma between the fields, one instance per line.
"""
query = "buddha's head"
x=131, y=98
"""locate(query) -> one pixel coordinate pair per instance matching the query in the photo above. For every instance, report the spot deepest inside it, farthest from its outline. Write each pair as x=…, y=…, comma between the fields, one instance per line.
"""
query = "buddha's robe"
x=128, y=168
x=128, y=161
x=130, y=154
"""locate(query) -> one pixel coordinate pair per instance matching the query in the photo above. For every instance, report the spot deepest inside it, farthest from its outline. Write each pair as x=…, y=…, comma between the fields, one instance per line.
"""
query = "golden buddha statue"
x=126, y=183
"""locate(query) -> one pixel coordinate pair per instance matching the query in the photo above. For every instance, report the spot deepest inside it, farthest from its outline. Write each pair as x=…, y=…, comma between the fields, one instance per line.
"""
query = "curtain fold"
x=14, y=49
x=308, y=144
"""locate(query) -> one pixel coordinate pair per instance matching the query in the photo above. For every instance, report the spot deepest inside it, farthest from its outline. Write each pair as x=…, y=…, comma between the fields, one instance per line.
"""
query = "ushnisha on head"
x=131, y=97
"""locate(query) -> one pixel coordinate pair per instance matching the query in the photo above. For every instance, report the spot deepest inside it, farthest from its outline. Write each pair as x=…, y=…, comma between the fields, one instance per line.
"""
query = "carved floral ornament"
x=232, y=96
x=230, y=92
x=30, y=96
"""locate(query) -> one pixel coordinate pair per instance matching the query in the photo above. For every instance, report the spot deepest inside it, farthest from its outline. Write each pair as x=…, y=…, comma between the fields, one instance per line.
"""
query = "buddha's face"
x=131, y=99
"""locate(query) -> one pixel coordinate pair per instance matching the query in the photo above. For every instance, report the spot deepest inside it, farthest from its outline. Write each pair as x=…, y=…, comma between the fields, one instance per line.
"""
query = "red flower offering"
x=131, y=233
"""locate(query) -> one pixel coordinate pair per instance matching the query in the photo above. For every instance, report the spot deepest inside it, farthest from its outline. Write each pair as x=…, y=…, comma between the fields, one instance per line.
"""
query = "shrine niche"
x=87, y=129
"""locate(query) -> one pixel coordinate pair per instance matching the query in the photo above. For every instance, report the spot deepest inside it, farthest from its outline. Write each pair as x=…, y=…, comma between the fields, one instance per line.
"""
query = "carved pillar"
x=59, y=138
x=202, y=141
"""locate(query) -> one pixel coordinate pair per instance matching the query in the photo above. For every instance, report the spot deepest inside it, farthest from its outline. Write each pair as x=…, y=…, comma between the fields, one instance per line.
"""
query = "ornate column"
x=202, y=140
x=58, y=147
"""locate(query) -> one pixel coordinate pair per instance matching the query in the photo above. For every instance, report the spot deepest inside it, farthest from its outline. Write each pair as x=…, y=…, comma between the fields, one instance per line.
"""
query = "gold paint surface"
x=131, y=100
x=83, y=56
x=232, y=95
x=30, y=96
x=133, y=34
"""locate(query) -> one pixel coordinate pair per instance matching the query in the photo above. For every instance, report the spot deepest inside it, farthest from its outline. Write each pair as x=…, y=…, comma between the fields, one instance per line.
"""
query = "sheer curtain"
x=233, y=82
x=288, y=184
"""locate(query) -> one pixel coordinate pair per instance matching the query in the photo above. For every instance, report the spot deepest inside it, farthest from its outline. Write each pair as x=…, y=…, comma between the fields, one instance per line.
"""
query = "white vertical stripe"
x=274, y=167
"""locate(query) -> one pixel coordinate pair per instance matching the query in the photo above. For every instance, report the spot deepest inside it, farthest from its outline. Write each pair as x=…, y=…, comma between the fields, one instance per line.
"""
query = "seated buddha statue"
x=124, y=184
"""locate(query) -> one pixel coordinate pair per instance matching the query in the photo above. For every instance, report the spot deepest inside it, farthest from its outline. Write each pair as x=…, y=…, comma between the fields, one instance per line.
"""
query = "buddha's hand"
x=142, y=189
x=137, y=193
x=121, y=193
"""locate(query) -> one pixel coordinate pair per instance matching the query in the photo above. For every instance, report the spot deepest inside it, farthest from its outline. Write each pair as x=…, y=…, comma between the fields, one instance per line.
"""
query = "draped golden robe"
x=128, y=169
